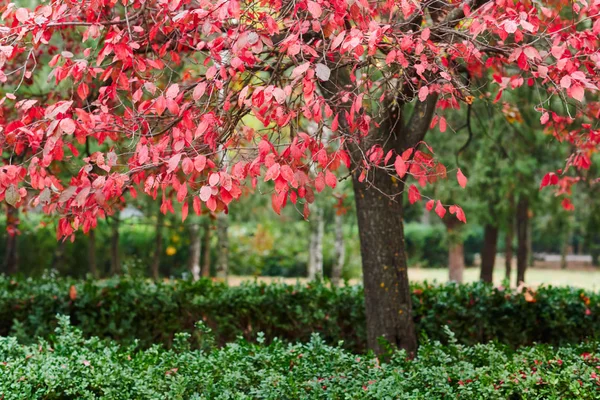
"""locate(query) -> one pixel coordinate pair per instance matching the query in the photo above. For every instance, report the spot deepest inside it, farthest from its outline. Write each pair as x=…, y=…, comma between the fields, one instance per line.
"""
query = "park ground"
x=586, y=278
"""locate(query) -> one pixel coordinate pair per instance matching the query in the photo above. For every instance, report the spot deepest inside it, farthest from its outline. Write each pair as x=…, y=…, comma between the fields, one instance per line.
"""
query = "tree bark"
x=158, y=246
x=488, y=253
x=206, y=249
x=385, y=276
x=11, y=257
x=456, y=261
x=195, y=251
x=508, y=252
x=92, y=253
x=115, y=261
x=522, y=238
x=315, y=260
x=563, y=254
x=223, y=246
x=508, y=239
x=339, y=250
x=456, y=249
x=530, y=259
x=564, y=250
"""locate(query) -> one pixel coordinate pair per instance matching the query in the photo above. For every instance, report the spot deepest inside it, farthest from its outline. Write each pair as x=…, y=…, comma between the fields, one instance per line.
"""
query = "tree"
x=339, y=246
x=164, y=91
x=315, y=251
x=195, y=250
x=223, y=247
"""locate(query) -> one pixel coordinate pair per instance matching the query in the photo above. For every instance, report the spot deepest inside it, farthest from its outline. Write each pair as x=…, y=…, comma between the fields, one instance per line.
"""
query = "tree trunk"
x=488, y=253
x=11, y=257
x=456, y=249
x=206, y=249
x=195, y=250
x=385, y=276
x=158, y=246
x=508, y=239
x=522, y=238
x=115, y=261
x=92, y=253
x=456, y=261
x=223, y=246
x=530, y=259
x=315, y=261
x=564, y=250
x=339, y=250
x=508, y=252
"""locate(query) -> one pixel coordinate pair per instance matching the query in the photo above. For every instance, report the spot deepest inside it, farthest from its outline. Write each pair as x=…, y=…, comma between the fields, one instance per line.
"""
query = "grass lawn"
x=588, y=279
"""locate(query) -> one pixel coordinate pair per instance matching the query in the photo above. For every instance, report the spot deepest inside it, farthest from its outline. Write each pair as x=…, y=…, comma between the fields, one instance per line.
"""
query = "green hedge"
x=71, y=367
x=129, y=309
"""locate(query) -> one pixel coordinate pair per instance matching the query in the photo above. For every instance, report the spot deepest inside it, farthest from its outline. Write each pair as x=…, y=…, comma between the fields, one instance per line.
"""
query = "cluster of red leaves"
x=160, y=92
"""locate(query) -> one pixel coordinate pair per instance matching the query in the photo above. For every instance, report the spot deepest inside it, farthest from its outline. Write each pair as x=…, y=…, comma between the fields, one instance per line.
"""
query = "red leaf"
x=577, y=92
x=173, y=162
x=83, y=91
x=72, y=292
x=272, y=172
x=335, y=123
x=400, y=166
x=413, y=194
x=22, y=14
x=423, y=93
x=315, y=9
x=567, y=205
x=429, y=205
x=199, y=163
x=330, y=179
x=67, y=125
x=439, y=209
x=549, y=179
x=443, y=124
x=461, y=178
x=319, y=182
x=460, y=215
x=205, y=193
x=184, y=211
x=197, y=205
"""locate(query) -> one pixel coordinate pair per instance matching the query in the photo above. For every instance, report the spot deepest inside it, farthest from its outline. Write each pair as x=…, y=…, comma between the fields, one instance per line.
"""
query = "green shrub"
x=71, y=367
x=132, y=309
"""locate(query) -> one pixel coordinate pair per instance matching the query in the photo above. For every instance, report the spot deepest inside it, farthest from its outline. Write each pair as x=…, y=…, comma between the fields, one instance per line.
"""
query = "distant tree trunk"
x=508, y=239
x=11, y=257
x=206, y=249
x=339, y=250
x=530, y=259
x=115, y=261
x=158, y=246
x=92, y=253
x=522, y=238
x=508, y=252
x=456, y=249
x=564, y=250
x=488, y=253
x=223, y=246
x=315, y=262
x=456, y=260
x=195, y=250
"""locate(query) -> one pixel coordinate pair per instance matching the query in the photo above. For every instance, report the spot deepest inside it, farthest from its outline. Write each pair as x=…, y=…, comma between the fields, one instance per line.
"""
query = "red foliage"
x=161, y=92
